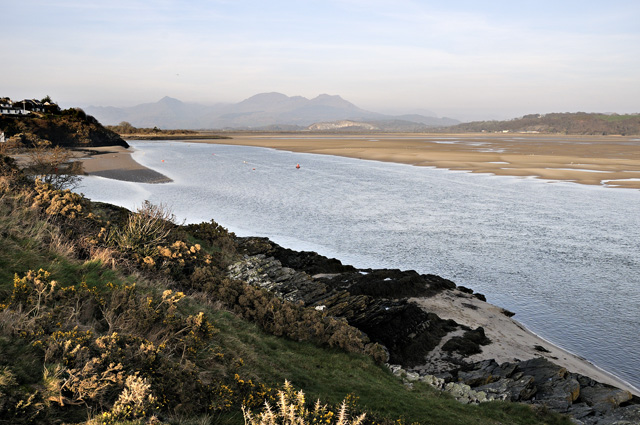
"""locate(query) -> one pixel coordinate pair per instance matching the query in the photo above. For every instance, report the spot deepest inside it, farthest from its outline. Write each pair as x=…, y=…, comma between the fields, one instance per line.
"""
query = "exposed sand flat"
x=115, y=162
x=550, y=157
x=510, y=339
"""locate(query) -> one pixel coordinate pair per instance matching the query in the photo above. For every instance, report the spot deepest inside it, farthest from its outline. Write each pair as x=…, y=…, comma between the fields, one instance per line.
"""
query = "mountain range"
x=265, y=111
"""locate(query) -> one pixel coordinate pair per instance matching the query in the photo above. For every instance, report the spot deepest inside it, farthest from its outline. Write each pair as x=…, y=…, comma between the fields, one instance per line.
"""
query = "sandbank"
x=115, y=162
x=610, y=161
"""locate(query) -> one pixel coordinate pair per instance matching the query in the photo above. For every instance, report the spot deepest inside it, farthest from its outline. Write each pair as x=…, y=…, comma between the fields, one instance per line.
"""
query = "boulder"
x=628, y=415
x=603, y=398
x=541, y=369
x=522, y=389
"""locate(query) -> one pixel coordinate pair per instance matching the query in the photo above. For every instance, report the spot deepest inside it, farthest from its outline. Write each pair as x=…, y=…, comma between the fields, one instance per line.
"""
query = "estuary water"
x=564, y=257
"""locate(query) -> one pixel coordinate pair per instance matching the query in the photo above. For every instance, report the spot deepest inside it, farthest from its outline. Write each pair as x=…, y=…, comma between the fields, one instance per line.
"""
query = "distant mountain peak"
x=271, y=96
x=328, y=96
x=170, y=101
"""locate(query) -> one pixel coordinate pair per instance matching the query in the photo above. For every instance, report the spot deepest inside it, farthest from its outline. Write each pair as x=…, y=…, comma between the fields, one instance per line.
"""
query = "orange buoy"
x=298, y=166
x=163, y=160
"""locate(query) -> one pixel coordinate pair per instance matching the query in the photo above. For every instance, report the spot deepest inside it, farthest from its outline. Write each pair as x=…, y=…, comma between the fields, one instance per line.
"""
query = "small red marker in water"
x=163, y=160
x=298, y=166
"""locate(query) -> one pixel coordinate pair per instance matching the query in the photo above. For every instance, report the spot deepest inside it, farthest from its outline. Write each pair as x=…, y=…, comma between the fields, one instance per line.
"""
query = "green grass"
x=331, y=375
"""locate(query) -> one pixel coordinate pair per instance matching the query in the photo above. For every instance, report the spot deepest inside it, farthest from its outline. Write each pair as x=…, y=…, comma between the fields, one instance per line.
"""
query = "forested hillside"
x=580, y=123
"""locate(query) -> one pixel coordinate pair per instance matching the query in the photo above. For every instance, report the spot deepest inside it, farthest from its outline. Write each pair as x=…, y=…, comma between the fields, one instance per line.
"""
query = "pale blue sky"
x=464, y=59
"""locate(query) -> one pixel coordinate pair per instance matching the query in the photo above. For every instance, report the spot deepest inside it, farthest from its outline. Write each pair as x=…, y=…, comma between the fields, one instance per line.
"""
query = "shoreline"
x=512, y=340
x=115, y=162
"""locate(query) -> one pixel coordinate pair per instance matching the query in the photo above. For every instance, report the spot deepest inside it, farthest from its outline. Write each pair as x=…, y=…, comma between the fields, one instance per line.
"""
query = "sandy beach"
x=606, y=161
x=510, y=339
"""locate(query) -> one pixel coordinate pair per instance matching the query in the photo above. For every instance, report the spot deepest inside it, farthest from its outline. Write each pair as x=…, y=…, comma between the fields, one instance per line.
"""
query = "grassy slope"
x=31, y=241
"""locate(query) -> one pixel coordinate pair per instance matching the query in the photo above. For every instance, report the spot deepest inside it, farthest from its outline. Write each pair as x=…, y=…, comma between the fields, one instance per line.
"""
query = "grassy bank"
x=109, y=316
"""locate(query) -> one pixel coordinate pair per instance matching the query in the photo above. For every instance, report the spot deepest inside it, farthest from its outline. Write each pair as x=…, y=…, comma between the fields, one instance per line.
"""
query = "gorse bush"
x=284, y=318
x=57, y=202
x=134, y=402
x=145, y=229
x=292, y=410
x=120, y=350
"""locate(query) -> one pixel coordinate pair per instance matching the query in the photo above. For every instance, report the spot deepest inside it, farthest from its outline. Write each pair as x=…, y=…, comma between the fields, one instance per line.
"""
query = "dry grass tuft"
x=292, y=410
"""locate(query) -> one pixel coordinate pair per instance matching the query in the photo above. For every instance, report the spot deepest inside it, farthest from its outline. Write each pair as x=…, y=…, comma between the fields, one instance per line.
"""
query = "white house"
x=9, y=107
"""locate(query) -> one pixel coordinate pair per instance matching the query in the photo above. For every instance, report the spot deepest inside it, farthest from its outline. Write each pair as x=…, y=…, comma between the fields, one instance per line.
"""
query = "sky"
x=464, y=59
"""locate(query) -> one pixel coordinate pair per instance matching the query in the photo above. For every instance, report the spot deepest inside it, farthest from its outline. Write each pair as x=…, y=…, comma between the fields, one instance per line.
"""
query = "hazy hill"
x=564, y=123
x=262, y=111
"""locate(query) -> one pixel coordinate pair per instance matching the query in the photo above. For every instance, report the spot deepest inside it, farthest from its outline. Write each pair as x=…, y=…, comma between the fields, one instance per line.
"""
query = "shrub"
x=57, y=202
x=292, y=410
x=134, y=402
x=284, y=318
x=215, y=236
x=53, y=165
x=145, y=229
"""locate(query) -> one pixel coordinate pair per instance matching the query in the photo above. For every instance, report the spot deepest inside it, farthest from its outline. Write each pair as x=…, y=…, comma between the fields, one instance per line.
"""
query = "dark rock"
x=505, y=370
x=475, y=378
x=559, y=389
x=628, y=415
x=542, y=369
x=603, y=398
x=468, y=344
x=522, y=389
x=541, y=349
x=364, y=300
x=557, y=404
x=481, y=297
x=470, y=292
x=580, y=410
x=584, y=381
x=508, y=313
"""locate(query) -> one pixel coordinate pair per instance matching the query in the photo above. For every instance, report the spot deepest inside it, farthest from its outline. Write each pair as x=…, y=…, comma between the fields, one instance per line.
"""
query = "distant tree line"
x=560, y=123
x=126, y=128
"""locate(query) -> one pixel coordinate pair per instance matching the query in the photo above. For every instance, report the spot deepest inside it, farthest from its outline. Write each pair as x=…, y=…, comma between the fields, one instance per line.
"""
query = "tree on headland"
x=53, y=165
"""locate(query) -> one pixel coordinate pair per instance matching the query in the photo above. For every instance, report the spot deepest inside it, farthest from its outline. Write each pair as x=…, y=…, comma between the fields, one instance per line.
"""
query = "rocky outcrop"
x=539, y=381
x=422, y=346
x=374, y=301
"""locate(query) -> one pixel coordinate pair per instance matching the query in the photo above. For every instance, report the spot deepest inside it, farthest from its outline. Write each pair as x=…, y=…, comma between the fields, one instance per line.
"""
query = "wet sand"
x=115, y=162
x=604, y=161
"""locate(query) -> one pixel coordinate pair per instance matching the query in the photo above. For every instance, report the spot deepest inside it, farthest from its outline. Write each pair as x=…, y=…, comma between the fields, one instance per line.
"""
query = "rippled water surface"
x=564, y=257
